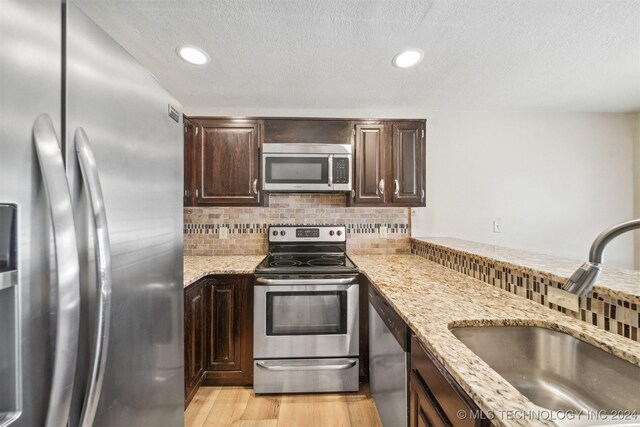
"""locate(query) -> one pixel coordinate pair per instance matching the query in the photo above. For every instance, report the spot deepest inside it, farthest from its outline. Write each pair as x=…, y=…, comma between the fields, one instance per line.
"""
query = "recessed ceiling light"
x=408, y=58
x=192, y=54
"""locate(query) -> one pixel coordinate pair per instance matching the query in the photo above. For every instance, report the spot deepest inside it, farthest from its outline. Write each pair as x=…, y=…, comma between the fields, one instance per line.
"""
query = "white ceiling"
x=333, y=57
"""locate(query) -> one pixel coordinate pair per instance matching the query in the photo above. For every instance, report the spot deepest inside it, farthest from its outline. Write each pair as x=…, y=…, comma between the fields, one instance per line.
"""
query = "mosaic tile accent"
x=248, y=225
x=611, y=314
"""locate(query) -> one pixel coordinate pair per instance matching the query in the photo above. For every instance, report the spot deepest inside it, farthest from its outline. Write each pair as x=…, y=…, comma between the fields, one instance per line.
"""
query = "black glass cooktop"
x=306, y=262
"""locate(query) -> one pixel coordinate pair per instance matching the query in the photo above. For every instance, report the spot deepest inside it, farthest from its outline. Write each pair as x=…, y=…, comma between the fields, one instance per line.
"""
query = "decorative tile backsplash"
x=247, y=226
x=611, y=314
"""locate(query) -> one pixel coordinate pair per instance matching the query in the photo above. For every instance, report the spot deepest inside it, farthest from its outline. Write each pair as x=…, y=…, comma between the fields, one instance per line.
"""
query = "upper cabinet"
x=369, y=167
x=190, y=148
x=307, y=131
x=389, y=163
x=222, y=158
x=226, y=163
x=407, y=164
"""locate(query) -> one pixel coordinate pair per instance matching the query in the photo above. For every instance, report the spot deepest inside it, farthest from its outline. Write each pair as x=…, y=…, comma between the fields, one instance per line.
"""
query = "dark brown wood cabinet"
x=307, y=131
x=190, y=148
x=408, y=164
x=435, y=398
x=369, y=164
x=195, y=334
x=222, y=158
x=227, y=163
x=389, y=163
x=218, y=332
x=230, y=330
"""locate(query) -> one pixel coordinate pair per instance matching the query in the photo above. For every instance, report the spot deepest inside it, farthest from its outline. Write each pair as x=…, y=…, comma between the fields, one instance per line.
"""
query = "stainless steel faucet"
x=581, y=282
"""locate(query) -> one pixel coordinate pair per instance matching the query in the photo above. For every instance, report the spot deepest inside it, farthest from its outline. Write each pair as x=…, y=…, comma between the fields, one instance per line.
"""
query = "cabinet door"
x=423, y=411
x=228, y=163
x=370, y=164
x=230, y=330
x=408, y=164
x=190, y=145
x=194, y=337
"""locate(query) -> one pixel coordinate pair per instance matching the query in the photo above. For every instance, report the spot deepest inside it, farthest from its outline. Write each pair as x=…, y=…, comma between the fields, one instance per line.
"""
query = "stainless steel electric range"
x=306, y=312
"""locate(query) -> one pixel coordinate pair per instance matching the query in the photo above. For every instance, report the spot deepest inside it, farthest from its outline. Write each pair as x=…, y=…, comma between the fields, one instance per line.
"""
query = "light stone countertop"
x=614, y=282
x=197, y=267
x=432, y=298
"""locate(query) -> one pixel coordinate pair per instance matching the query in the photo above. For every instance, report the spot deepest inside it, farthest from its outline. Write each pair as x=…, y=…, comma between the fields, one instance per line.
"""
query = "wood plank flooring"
x=240, y=407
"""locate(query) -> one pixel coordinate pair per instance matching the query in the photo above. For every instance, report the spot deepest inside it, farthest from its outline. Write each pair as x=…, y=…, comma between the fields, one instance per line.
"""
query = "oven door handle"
x=339, y=367
x=301, y=282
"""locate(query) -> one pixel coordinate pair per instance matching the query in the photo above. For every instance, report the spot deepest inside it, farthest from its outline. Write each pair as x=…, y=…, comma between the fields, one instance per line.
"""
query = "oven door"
x=305, y=318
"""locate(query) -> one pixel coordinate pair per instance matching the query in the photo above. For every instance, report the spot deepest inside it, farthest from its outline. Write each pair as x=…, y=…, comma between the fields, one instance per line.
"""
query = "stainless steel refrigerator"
x=90, y=227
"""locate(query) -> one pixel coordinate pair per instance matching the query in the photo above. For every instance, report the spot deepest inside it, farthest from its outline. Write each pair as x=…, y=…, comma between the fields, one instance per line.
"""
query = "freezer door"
x=122, y=112
x=30, y=85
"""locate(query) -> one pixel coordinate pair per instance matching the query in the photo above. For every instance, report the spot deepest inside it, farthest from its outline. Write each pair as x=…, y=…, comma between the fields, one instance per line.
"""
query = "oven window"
x=294, y=170
x=307, y=313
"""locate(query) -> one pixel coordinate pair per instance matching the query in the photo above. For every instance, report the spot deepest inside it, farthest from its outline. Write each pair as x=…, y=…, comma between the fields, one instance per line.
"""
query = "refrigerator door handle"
x=67, y=270
x=91, y=181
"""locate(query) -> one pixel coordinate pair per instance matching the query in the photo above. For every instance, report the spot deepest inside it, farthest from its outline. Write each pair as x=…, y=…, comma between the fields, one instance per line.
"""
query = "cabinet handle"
x=255, y=186
x=396, y=184
x=381, y=186
x=422, y=195
x=196, y=192
x=353, y=194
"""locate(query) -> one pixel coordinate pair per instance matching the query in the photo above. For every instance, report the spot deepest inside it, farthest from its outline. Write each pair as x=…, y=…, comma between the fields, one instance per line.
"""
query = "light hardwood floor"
x=240, y=407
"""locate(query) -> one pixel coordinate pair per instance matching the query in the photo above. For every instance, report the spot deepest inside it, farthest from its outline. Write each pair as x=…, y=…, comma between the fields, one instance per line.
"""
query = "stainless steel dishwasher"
x=388, y=361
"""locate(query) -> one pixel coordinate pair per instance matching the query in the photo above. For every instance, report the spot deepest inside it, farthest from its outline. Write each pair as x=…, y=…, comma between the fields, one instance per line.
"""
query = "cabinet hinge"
x=423, y=133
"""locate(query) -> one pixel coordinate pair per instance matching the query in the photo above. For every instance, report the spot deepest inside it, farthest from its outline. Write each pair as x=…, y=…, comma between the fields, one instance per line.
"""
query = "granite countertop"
x=432, y=298
x=614, y=282
x=197, y=267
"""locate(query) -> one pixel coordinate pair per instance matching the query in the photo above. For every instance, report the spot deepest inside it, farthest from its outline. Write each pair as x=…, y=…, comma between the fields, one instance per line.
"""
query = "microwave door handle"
x=330, y=166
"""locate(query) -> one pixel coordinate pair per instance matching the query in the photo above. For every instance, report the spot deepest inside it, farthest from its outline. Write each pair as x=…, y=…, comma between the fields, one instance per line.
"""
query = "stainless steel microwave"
x=307, y=167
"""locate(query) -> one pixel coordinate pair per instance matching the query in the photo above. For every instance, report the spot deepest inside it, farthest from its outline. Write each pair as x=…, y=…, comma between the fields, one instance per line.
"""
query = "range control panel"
x=341, y=170
x=307, y=233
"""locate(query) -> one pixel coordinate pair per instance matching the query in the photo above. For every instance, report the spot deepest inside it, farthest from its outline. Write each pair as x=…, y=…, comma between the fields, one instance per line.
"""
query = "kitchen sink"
x=554, y=370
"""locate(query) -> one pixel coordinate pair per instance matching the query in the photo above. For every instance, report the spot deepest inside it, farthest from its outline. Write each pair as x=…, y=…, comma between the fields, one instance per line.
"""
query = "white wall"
x=554, y=180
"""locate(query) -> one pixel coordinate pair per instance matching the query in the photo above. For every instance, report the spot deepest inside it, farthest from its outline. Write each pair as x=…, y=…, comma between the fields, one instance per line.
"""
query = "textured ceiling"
x=333, y=57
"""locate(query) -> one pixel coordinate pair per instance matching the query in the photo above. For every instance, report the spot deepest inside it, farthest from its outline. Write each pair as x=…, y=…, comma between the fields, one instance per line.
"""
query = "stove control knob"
x=339, y=233
x=282, y=233
x=331, y=233
x=275, y=233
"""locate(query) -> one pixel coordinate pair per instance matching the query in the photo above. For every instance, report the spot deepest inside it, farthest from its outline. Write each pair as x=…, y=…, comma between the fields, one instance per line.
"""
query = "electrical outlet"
x=497, y=227
x=383, y=232
x=223, y=233
x=563, y=298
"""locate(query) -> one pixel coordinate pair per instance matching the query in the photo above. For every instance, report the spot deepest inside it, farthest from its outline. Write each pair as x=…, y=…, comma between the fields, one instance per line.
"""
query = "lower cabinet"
x=218, y=332
x=435, y=399
x=195, y=335
x=230, y=330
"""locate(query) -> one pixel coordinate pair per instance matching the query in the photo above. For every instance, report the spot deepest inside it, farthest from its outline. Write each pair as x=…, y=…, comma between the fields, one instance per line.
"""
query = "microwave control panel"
x=341, y=170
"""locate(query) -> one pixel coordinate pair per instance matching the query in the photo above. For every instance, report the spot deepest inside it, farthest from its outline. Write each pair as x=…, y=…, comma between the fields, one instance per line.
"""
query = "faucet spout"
x=584, y=278
x=601, y=242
